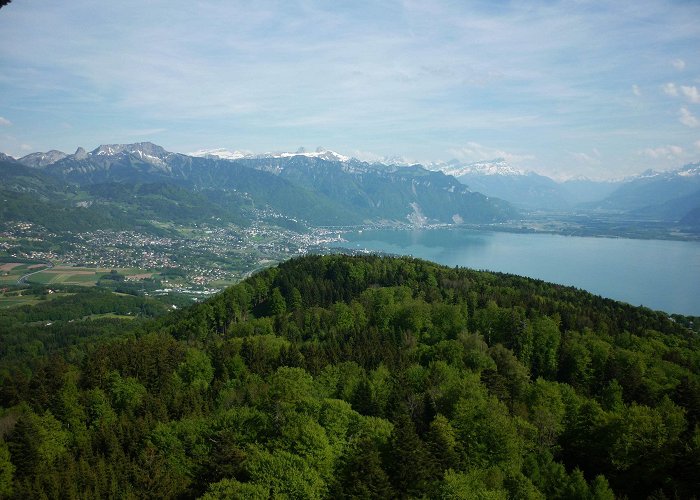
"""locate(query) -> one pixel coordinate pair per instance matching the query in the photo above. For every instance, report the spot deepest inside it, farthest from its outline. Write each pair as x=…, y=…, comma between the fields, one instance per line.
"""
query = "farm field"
x=10, y=272
x=40, y=273
x=85, y=276
x=66, y=275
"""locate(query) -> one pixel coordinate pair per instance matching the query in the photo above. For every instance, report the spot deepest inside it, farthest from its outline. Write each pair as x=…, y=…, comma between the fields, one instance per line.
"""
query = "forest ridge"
x=355, y=377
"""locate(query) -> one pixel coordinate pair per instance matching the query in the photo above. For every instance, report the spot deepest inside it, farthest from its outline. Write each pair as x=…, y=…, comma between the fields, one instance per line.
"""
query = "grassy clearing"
x=223, y=283
x=17, y=300
x=85, y=276
x=21, y=298
x=110, y=315
x=66, y=276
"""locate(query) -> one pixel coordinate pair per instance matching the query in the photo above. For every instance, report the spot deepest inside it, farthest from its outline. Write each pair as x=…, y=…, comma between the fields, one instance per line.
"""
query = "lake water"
x=659, y=274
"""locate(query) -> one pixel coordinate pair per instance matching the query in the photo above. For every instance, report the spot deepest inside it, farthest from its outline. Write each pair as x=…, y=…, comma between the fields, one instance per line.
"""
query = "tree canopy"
x=358, y=377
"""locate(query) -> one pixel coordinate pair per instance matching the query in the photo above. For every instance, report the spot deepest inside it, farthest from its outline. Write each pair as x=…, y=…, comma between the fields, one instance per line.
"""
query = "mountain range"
x=671, y=196
x=526, y=190
x=321, y=188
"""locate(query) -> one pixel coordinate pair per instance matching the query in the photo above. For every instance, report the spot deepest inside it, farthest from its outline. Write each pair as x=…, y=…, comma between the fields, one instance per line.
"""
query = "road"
x=24, y=277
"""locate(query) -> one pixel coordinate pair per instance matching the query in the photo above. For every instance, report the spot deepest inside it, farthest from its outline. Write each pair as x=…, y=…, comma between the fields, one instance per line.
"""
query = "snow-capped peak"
x=142, y=149
x=690, y=170
x=145, y=151
x=395, y=160
x=221, y=153
x=226, y=154
x=321, y=153
x=647, y=174
x=498, y=166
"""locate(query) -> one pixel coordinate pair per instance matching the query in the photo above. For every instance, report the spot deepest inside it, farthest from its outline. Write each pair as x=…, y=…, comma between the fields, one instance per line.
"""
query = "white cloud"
x=475, y=152
x=5, y=122
x=26, y=147
x=697, y=144
x=669, y=152
x=590, y=159
x=670, y=89
x=688, y=119
x=691, y=93
x=379, y=74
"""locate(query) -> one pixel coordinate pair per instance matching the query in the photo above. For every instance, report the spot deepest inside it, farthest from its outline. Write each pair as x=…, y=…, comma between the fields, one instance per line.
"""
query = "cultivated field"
x=10, y=272
x=66, y=275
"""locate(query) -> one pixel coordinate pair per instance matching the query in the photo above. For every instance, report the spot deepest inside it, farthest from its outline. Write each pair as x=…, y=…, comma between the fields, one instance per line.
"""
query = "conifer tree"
x=407, y=459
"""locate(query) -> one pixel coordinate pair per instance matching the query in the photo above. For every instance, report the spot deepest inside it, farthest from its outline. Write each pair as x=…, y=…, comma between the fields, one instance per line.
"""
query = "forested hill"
x=367, y=377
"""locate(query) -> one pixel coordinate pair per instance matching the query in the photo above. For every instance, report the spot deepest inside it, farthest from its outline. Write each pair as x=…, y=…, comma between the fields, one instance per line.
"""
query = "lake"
x=659, y=274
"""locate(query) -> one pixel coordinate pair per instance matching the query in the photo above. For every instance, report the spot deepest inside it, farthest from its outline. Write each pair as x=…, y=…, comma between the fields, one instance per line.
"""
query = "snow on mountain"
x=321, y=153
x=221, y=153
x=225, y=154
x=389, y=161
x=142, y=149
x=396, y=160
x=40, y=160
x=146, y=151
x=690, y=170
x=498, y=166
x=647, y=174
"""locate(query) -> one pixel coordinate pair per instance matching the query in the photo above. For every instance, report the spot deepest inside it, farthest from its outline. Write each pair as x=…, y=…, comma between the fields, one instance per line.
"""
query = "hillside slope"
x=320, y=189
x=339, y=377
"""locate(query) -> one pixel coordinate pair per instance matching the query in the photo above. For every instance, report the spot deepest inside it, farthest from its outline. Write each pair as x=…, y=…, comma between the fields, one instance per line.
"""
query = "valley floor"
x=200, y=260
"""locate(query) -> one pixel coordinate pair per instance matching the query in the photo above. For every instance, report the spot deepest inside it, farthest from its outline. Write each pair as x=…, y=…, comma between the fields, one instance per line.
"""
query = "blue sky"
x=565, y=88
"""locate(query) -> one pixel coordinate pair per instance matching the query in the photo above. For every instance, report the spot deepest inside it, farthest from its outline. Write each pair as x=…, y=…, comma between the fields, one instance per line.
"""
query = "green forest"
x=351, y=377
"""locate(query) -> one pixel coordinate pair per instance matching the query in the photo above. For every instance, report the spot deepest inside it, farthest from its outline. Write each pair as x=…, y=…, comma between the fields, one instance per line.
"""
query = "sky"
x=601, y=89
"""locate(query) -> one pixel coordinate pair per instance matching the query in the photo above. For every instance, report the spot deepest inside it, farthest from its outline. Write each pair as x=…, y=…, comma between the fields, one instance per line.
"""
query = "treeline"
x=367, y=377
x=82, y=302
x=30, y=332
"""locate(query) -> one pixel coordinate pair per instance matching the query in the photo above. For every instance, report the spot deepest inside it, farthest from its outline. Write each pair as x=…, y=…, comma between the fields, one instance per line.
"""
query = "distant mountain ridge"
x=669, y=196
x=498, y=178
x=321, y=187
x=225, y=154
x=39, y=160
x=498, y=166
x=353, y=190
x=672, y=195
